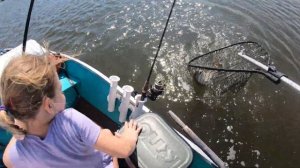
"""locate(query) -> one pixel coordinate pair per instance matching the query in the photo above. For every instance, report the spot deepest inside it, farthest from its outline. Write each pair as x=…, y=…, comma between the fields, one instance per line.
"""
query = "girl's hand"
x=131, y=131
x=120, y=145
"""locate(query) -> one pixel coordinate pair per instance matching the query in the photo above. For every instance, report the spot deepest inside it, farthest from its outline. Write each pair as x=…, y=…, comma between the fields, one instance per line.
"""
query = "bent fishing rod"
x=27, y=26
x=158, y=89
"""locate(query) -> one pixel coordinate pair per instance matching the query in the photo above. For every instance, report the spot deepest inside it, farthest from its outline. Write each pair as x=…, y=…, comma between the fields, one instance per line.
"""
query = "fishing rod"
x=27, y=26
x=158, y=87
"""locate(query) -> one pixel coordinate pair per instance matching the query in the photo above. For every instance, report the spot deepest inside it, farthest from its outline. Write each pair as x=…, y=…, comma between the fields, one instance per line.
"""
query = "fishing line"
x=146, y=85
x=27, y=25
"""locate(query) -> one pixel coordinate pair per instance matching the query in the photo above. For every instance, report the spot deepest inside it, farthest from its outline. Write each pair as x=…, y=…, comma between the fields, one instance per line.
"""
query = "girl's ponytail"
x=7, y=122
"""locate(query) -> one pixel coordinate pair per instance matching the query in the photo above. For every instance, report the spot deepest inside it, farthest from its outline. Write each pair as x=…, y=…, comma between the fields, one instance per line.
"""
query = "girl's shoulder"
x=69, y=113
x=83, y=127
x=73, y=117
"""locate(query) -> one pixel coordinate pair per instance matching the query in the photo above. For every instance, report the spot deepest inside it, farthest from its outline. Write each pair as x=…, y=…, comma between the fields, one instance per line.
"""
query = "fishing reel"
x=156, y=90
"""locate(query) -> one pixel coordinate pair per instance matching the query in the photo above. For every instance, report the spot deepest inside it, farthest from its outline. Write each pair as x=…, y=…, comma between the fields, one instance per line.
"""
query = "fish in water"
x=221, y=82
x=205, y=77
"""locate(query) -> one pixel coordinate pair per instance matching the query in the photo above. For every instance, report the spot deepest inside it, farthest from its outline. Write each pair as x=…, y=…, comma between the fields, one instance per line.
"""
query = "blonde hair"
x=24, y=84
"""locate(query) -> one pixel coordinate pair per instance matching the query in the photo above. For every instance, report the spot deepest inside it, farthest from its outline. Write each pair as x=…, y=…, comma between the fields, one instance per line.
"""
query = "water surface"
x=258, y=126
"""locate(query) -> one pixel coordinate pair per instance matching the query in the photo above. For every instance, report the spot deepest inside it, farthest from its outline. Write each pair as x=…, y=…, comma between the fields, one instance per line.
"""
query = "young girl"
x=45, y=133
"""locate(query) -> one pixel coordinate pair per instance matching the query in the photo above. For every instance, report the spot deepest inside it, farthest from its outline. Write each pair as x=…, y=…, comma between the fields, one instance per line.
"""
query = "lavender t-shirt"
x=69, y=143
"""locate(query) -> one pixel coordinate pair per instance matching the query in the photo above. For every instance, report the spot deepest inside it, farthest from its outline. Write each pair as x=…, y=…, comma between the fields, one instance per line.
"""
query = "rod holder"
x=127, y=90
x=139, y=107
x=112, y=92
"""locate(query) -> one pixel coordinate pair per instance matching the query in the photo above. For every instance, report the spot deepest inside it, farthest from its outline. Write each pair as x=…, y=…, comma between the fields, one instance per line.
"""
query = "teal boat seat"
x=69, y=89
x=66, y=83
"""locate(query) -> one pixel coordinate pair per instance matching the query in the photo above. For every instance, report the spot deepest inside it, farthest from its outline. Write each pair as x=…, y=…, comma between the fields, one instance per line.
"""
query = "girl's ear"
x=48, y=105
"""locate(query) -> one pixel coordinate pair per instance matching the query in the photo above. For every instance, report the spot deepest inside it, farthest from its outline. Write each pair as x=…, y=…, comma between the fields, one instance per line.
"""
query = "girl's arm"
x=120, y=145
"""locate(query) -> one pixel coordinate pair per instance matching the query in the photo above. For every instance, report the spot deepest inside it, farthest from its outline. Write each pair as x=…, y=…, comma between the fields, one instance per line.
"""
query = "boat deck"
x=94, y=114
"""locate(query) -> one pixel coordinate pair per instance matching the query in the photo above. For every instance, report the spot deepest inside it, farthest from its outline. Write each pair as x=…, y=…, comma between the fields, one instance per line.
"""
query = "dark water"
x=257, y=126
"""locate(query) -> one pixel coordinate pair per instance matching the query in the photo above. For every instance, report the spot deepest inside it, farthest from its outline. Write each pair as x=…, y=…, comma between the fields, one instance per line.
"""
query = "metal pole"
x=266, y=68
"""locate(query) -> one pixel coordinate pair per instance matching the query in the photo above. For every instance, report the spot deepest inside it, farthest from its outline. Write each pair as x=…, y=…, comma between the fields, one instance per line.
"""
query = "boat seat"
x=69, y=88
x=67, y=83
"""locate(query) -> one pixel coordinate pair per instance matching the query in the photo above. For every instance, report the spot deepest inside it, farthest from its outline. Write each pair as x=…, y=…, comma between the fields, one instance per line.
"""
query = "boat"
x=100, y=98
